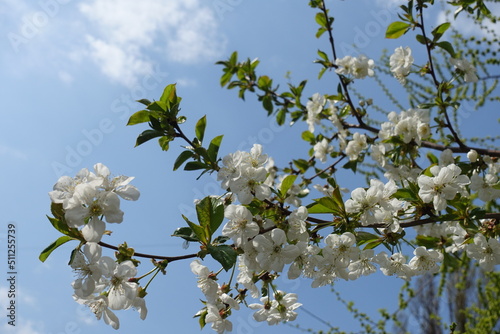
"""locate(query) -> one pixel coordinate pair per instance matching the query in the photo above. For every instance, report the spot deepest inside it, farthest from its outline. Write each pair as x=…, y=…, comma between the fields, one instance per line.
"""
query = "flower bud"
x=472, y=156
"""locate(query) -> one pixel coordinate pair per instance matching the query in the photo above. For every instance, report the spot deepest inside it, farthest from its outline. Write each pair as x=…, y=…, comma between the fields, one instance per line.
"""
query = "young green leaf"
x=146, y=136
x=50, y=248
x=440, y=30
x=186, y=233
x=197, y=230
x=213, y=148
x=397, y=29
x=200, y=128
x=182, y=158
x=140, y=116
x=169, y=95
x=286, y=184
x=210, y=214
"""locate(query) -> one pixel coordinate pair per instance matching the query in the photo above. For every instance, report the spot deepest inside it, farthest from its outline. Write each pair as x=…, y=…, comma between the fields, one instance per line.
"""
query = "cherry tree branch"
x=149, y=256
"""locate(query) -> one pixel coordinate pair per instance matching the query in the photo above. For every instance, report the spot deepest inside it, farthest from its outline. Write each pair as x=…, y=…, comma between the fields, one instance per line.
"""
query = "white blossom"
x=241, y=226
x=206, y=281
x=314, y=107
x=356, y=145
x=484, y=186
x=425, y=261
x=322, y=149
x=273, y=252
x=465, y=68
x=485, y=251
x=99, y=306
x=359, y=67
x=444, y=186
x=394, y=265
x=401, y=61
x=281, y=309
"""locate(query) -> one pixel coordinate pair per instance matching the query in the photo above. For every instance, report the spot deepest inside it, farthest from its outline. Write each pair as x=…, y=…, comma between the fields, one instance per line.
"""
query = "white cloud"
x=122, y=64
x=128, y=32
x=10, y=152
x=22, y=327
x=65, y=77
x=465, y=25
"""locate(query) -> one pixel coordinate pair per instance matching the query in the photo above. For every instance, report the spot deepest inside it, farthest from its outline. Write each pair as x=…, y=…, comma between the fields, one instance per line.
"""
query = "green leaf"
x=423, y=40
x=213, y=148
x=146, y=136
x=224, y=254
x=405, y=195
x=281, y=116
x=432, y=158
x=195, y=165
x=363, y=237
x=164, y=142
x=197, y=230
x=286, y=184
x=331, y=204
x=141, y=116
x=169, y=94
x=47, y=251
x=429, y=242
x=200, y=128
x=146, y=102
x=264, y=82
x=158, y=106
x=321, y=19
x=301, y=164
x=352, y=165
x=59, y=225
x=372, y=244
x=447, y=47
x=186, y=233
x=210, y=214
x=318, y=208
x=267, y=103
x=320, y=32
x=323, y=55
x=57, y=210
x=440, y=30
x=182, y=158
x=308, y=137
x=397, y=29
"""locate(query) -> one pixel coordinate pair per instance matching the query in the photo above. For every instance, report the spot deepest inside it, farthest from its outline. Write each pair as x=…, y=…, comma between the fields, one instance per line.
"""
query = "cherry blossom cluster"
x=89, y=200
x=401, y=62
x=245, y=174
x=270, y=248
x=89, y=197
x=357, y=67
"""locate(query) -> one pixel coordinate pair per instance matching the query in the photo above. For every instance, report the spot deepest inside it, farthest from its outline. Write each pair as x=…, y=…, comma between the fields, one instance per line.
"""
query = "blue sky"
x=71, y=71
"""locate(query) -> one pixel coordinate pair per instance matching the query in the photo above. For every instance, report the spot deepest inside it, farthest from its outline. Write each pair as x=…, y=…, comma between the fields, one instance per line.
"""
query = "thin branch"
x=332, y=166
x=435, y=146
x=149, y=256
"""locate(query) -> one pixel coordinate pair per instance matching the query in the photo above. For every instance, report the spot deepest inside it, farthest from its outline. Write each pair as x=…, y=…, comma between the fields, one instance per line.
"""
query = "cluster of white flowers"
x=401, y=61
x=486, y=186
x=244, y=173
x=358, y=67
x=90, y=197
x=412, y=124
x=314, y=107
x=218, y=304
x=356, y=146
x=374, y=205
x=102, y=283
x=322, y=149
